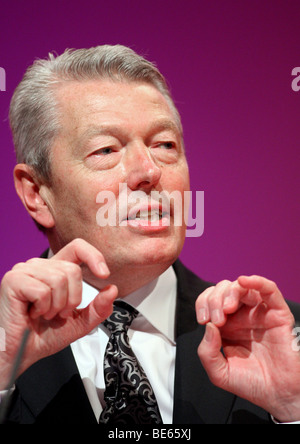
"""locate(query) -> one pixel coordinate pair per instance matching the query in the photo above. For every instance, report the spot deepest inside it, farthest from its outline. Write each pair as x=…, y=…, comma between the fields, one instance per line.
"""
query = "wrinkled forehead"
x=94, y=100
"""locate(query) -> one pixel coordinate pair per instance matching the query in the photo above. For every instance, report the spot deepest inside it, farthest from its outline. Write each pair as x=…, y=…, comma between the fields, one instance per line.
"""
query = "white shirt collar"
x=156, y=301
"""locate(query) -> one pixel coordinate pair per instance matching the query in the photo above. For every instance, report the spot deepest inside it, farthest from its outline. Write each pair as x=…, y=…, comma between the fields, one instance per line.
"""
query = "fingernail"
x=209, y=333
x=202, y=315
x=217, y=316
x=103, y=268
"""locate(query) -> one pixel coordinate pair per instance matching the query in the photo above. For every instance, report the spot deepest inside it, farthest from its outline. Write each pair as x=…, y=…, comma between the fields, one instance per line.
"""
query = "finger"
x=202, y=312
x=97, y=311
x=237, y=296
x=215, y=301
x=74, y=275
x=209, y=352
x=79, y=251
x=64, y=280
x=58, y=283
x=267, y=289
x=27, y=291
x=232, y=299
x=227, y=297
x=228, y=302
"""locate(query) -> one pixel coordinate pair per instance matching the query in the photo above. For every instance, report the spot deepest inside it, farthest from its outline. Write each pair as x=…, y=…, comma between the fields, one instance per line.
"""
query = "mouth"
x=153, y=215
x=150, y=215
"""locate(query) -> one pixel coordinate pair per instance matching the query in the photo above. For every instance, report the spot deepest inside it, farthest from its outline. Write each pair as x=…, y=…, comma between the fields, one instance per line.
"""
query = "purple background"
x=229, y=66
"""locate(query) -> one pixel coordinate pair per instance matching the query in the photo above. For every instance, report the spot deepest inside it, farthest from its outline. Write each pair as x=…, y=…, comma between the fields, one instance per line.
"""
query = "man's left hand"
x=250, y=320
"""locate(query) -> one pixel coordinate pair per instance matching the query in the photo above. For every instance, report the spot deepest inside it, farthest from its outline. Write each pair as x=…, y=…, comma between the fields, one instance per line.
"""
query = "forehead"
x=84, y=105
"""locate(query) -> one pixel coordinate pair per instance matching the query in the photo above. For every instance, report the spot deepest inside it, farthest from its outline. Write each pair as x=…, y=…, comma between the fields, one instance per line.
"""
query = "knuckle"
x=43, y=293
x=213, y=297
x=223, y=283
x=9, y=277
x=76, y=272
x=60, y=279
x=203, y=296
x=18, y=266
x=73, y=270
x=203, y=299
x=77, y=242
x=274, y=286
x=34, y=261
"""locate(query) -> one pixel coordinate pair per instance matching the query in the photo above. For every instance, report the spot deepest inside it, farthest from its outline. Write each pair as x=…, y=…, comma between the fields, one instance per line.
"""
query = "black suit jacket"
x=51, y=391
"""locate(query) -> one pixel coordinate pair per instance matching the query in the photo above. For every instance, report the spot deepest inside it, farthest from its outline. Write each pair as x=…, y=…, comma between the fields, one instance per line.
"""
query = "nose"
x=142, y=172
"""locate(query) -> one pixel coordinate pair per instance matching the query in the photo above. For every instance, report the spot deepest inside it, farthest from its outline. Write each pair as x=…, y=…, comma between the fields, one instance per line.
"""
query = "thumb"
x=98, y=310
x=209, y=352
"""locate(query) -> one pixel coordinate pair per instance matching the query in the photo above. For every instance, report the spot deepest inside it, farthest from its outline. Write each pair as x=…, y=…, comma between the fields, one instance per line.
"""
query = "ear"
x=30, y=191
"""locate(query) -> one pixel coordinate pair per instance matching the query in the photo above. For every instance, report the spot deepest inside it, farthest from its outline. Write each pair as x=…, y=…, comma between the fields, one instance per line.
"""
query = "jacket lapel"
x=52, y=392
x=196, y=399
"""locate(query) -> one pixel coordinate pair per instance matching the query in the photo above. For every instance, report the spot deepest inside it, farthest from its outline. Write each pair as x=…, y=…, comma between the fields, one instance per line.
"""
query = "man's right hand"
x=42, y=295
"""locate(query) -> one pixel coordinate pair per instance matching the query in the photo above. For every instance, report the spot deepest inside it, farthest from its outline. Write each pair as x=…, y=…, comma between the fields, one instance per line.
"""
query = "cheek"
x=82, y=188
x=176, y=179
x=177, y=183
x=72, y=202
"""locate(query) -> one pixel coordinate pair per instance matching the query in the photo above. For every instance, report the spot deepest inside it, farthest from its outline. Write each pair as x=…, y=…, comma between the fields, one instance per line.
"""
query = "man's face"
x=117, y=133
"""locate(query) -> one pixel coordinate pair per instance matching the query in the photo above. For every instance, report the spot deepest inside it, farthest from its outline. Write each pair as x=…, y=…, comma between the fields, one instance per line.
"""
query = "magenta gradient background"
x=229, y=66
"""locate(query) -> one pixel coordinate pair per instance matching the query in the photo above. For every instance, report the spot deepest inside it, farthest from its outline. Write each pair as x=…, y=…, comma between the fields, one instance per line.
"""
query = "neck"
x=129, y=279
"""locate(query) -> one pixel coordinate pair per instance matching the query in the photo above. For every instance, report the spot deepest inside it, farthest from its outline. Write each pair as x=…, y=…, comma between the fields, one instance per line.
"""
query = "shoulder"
x=188, y=282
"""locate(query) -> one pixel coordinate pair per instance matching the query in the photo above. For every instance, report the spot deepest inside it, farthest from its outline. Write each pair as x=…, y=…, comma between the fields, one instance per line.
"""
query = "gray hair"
x=34, y=117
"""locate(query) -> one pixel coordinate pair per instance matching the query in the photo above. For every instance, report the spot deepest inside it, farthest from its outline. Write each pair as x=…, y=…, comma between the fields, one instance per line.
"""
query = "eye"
x=167, y=145
x=103, y=151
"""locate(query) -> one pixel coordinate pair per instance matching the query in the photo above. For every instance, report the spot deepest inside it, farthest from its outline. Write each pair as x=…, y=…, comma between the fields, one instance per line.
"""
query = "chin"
x=160, y=252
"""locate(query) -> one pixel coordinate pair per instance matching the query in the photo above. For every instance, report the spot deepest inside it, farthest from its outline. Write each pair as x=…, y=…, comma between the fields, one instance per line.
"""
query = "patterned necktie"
x=129, y=396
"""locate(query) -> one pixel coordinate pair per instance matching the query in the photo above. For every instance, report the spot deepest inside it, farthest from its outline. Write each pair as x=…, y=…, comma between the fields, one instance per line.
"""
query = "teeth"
x=148, y=215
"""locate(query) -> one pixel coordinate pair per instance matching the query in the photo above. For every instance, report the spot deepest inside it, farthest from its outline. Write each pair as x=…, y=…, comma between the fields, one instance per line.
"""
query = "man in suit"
x=84, y=123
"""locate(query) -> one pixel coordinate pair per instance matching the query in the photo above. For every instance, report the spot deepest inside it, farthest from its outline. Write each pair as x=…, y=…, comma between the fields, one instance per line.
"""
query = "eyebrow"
x=118, y=131
x=164, y=125
x=94, y=131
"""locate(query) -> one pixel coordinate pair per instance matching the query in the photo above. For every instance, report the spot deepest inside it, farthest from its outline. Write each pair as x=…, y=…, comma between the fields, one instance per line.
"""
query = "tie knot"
x=121, y=318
